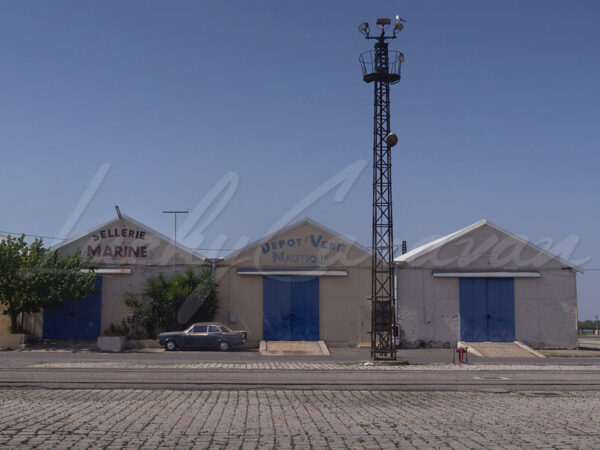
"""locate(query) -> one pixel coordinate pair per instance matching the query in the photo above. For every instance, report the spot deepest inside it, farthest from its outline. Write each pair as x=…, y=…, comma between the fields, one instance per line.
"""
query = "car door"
x=196, y=337
x=214, y=335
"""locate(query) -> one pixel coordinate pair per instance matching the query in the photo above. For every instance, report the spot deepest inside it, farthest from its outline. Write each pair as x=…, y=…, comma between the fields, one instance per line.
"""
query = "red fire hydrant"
x=462, y=354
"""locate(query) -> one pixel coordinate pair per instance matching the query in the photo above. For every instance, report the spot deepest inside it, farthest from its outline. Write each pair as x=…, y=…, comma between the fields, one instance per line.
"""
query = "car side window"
x=200, y=329
x=214, y=329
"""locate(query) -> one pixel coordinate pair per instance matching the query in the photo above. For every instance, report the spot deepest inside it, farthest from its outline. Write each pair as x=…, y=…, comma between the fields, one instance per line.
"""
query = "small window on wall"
x=200, y=329
x=214, y=329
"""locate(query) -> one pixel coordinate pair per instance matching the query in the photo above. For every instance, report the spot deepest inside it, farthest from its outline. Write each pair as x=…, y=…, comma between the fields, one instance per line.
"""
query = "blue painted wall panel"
x=473, y=310
x=501, y=309
x=277, y=307
x=290, y=308
x=487, y=309
x=75, y=319
x=305, y=309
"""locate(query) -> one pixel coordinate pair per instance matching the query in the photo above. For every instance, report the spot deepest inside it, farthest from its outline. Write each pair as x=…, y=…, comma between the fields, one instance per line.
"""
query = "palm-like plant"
x=168, y=304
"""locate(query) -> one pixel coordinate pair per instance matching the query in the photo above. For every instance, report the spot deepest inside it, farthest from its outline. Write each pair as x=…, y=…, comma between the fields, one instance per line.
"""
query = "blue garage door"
x=290, y=308
x=75, y=319
x=487, y=309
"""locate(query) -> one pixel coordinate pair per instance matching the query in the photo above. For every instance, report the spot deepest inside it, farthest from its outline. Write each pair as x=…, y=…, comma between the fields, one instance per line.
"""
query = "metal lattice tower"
x=382, y=72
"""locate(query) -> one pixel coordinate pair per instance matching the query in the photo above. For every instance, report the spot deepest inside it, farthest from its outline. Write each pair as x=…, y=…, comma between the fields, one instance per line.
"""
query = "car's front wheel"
x=170, y=346
x=223, y=346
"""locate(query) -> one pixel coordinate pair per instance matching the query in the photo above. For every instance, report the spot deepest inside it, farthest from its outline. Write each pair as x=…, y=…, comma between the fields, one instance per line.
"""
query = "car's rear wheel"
x=223, y=346
x=170, y=346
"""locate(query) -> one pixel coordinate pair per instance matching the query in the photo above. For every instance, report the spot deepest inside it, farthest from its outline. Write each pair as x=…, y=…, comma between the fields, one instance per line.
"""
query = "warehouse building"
x=126, y=253
x=483, y=283
x=303, y=282
x=4, y=319
x=307, y=282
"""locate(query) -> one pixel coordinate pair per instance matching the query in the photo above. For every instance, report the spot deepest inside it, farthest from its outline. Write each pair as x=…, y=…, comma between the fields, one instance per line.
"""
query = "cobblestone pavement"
x=296, y=419
x=310, y=366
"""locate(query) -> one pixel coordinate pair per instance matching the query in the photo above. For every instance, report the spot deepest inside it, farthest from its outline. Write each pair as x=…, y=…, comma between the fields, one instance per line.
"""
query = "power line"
x=14, y=233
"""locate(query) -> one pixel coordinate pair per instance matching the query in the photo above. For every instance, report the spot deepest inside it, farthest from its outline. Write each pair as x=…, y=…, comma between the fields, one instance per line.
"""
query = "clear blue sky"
x=497, y=114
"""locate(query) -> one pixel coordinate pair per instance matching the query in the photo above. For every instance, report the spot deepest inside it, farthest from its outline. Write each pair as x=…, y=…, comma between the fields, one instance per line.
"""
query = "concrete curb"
x=111, y=343
x=469, y=348
x=13, y=341
x=324, y=348
x=291, y=348
x=529, y=349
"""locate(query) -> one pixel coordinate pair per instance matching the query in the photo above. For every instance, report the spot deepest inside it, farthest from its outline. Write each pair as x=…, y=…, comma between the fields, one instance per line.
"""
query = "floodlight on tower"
x=398, y=27
x=364, y=28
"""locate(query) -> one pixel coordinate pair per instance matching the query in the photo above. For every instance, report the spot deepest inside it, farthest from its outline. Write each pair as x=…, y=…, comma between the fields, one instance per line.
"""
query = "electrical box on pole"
x=382, y=68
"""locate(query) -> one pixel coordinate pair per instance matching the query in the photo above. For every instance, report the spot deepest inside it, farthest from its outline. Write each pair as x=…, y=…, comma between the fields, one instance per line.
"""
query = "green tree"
x=203, y=303
x=167, y=304
x=33, y=277
x=587, y=325
x=154, y=307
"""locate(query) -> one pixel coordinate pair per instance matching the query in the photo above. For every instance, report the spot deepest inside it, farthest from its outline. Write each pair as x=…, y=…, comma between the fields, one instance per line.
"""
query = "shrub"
x=173, y=303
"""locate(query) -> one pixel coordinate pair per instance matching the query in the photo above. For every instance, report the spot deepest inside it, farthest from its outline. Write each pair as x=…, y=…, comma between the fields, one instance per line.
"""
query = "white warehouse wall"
x=429, y=307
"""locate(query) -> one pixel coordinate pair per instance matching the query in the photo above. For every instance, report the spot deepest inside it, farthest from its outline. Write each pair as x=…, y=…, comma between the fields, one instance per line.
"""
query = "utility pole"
x=382, y=71
x=175, y=216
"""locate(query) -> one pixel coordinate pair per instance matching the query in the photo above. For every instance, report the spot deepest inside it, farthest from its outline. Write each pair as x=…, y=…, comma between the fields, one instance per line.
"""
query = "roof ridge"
x=290, y=226
x=437, y=243
x=126, y=218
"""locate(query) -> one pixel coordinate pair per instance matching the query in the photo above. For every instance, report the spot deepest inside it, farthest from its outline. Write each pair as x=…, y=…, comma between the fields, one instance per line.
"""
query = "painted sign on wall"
x=310, y=249
x=106, y=243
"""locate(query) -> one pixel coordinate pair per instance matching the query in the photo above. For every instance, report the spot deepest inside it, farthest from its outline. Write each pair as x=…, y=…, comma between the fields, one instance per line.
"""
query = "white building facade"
x=483, y=283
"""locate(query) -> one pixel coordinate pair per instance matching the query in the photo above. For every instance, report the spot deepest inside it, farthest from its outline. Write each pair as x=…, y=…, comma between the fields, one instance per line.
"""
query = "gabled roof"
x=303, y=221
x=126, y=218
x=434, y=245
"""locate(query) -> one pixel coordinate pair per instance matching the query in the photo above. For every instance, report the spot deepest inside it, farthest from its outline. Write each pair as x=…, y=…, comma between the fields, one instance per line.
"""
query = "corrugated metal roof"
x=431, y=246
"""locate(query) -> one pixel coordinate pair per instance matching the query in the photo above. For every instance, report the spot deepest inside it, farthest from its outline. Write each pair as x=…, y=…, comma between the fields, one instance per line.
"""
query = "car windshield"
x=225, y=329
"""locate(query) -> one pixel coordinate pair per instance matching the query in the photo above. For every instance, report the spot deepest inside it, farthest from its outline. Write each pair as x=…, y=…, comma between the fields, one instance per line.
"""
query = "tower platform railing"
x=372, y=73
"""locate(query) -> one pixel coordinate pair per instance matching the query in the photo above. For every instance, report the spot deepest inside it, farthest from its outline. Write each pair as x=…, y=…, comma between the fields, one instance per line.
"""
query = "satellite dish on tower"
x=391, y=139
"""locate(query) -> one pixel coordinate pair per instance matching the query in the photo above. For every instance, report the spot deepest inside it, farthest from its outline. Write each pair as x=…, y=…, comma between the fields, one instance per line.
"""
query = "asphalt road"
x=250, y=371
x=182, y=379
